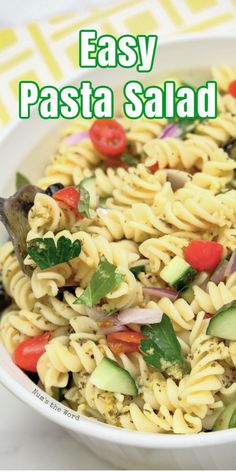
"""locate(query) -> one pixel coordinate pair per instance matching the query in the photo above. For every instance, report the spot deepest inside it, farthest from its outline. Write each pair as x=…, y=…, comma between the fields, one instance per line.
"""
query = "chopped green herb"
x=161, y=348
x=46, y=253
x=103, y=200
x=137, y=270
x=102, y=282
x=223, y=190
x=84, y=201
x=21, y=180
x=58, y=393
x=129, y=159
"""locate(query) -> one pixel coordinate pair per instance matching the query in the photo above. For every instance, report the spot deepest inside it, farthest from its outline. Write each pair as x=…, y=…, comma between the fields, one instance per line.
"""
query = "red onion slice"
x=111, y=329
x=170, y=293
x=220, y=272
x=170, y=131
x=231, y=266
x=140, y=316
x=76, y=138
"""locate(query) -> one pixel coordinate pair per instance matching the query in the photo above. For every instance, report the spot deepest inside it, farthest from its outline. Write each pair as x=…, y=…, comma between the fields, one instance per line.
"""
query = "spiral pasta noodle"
x=130, y=186
x=49, y=215
x=223, y=76
x=16, y=283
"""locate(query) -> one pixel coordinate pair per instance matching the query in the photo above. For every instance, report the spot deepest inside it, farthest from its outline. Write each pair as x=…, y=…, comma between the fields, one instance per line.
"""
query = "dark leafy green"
x=46, y=253
x=161, y=346
x=232, y=423
x=58, y=393
x=84, y=201
x=129, y=159
x=137, y=270
x=21, y=180
x=102, y=282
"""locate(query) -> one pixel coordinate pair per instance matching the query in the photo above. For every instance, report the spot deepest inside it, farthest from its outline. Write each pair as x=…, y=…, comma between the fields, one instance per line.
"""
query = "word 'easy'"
x=108, y=52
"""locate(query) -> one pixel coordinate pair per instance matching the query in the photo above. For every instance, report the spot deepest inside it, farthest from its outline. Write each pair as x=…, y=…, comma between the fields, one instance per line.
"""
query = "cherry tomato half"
x=124, y=341
x=118, y=347
x=28, y=352
x=203, y=255
x=232, y=88
x=126, y=336
x=70, y=196
x=108, y=137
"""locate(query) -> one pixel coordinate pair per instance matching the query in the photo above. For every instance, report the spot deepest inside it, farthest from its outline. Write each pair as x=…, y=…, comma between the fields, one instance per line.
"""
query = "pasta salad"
x=118, y=287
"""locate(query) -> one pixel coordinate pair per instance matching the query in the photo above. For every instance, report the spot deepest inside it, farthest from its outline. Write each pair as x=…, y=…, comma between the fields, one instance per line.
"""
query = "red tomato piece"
x=125, y=336
x=117, y=347
x=28, y=352
x=108, y=137
x=114, y=162
x=208, y=315
x=70, y=196
x=203, y=255
x=154, y=167
x=232, y=88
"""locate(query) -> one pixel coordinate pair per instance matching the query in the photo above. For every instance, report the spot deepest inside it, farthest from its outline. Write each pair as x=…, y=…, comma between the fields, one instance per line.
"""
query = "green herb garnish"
x=58, y=393
x=129, y=159
x=46, y=253
x=161, y=348
x=21, y=180
x=102, y=282
x=137, y=270
x=223, y=190
x=84, y=201
x=103, y=200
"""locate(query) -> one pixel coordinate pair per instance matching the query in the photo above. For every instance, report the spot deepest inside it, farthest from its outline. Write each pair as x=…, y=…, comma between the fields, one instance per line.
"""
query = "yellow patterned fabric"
x=46, y=52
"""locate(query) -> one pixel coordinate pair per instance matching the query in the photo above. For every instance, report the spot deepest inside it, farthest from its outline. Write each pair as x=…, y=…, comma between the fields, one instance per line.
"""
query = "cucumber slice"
x=187, y=294
x=178, y=273
x=223, y=323
x=90, y=185
x=109, y=376
x=227, y=418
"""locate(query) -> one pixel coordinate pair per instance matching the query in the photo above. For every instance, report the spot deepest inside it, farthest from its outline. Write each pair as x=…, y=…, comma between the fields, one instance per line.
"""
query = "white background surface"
x=27, y=440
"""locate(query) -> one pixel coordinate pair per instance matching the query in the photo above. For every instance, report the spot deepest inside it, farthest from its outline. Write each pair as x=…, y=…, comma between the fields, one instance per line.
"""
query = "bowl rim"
x=89, y=426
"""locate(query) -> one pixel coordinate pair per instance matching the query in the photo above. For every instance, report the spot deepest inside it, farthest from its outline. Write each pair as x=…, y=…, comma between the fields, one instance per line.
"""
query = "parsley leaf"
x=21, y=180
x=102, y=282
x=161, y=346
x=46, y=253
x=84, y=201
x=129, y=159
x=137, y=270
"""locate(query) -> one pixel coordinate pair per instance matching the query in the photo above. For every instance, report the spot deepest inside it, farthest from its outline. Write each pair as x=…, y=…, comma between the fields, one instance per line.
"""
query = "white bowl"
x=26, y=146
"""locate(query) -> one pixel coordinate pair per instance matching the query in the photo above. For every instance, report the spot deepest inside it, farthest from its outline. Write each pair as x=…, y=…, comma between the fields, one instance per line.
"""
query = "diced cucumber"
x=178, y=273
x=227, y=418
x=223, y=323
x=90, y=185
x=187, y=294
x=109, y=376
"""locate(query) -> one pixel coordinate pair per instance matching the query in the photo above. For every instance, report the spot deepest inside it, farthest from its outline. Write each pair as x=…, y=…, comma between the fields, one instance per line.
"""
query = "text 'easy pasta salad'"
x=118, y=287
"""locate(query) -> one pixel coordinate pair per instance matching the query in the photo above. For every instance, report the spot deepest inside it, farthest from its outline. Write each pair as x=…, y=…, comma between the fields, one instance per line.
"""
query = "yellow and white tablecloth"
x=46, y=52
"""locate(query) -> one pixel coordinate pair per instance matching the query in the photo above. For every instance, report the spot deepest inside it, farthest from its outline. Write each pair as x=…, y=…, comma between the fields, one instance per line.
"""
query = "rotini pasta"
x=132, y=272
